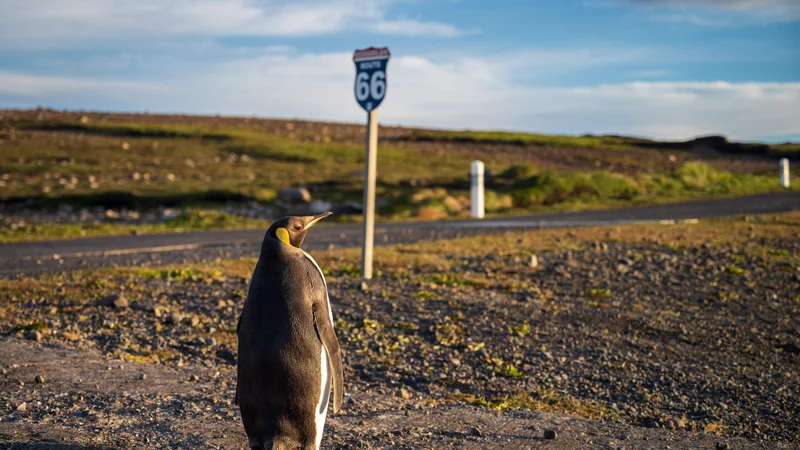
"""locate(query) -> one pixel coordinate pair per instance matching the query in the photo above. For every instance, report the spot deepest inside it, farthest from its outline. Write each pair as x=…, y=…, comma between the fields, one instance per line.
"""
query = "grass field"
x=50, y=158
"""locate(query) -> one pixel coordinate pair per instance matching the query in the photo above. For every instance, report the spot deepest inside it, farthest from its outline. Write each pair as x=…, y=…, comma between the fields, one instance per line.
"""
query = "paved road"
x=48, y=256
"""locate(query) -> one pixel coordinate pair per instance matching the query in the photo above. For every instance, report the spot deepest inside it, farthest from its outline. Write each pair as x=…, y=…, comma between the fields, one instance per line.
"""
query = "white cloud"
x=723, y=12
x=455, y=93
x=35, y=86
x=415, y=28
x=59, y=24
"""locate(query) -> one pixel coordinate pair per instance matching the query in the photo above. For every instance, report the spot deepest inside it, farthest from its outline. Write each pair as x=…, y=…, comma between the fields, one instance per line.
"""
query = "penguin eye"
x=298, y=227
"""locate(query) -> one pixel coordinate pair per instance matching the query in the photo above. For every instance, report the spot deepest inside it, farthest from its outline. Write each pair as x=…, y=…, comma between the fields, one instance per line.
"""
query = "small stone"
x=475, y=431
x=405, y=394
x=126, y=146
x=534, y=261
x=22, y=407
x=722, y=446
x=142, y=376
x=33, y=336
x=194, y=378
x=550, y=434
x=117, y=301
x=71, y=336
x=623, y=437
x=294, y=195
x=364, y=286
x=39, y=379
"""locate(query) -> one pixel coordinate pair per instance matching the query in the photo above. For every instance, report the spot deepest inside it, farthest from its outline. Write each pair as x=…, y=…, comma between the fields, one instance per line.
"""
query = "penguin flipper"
x=327, y=336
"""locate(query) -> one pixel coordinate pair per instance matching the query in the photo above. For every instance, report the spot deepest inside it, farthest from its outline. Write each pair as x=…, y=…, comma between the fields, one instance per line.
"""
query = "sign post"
x=370, y=89
x=784, y=164
x=477, y=189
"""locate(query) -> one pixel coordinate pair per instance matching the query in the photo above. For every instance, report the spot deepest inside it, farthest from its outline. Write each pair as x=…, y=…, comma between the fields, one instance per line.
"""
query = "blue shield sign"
x=371, y=76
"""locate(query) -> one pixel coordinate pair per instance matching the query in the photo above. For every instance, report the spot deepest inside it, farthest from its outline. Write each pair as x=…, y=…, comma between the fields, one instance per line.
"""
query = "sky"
x=669, y=69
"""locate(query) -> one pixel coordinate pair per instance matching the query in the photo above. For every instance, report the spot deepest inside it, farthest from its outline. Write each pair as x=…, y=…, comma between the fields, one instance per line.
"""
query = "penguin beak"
x=316, y=219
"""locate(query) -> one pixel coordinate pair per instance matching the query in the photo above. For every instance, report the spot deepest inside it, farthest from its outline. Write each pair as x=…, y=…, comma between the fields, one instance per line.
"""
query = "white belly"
x=324, y=395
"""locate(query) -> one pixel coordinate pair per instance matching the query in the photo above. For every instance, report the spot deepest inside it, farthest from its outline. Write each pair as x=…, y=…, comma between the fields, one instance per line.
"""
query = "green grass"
x=606, y=142
x=176, y=162
x=129, y=161
x=189, y=221
x=502, y=137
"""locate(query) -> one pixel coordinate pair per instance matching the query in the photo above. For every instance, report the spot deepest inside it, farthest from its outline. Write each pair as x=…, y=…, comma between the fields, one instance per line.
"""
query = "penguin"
x=289, y=357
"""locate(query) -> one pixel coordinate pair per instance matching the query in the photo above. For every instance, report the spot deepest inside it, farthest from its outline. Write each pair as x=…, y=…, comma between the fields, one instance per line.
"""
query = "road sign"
x=370, y=88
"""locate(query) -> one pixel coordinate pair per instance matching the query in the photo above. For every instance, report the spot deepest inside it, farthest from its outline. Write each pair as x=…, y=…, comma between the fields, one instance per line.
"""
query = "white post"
x=369, y=194
x=784, y=172
x=477, y=189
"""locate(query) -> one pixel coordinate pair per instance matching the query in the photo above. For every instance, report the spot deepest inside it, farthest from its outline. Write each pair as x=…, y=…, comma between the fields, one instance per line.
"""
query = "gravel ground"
x=645, y=337
x=87, y=401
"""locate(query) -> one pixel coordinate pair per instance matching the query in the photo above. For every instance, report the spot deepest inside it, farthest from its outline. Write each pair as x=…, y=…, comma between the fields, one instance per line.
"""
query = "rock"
x=475, y=431
x=405, y=394
x=39, y=379
x=169, y=213
x=22, y=407
x=623, y=436
x=550, y=434
x=722, y=446
x=71, y=336
x=114, y=300
x=348, y=207
x=194, y=378
x=294, y=195
x=33, y=336
x=534, y=261
x=142, y=376
x=170, y=177
x=111, y=214
x=320, y=206
x=364, y=286
x=126, y=146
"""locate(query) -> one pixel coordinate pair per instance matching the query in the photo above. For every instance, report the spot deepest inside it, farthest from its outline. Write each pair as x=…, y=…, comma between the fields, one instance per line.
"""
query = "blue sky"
x=661, y=68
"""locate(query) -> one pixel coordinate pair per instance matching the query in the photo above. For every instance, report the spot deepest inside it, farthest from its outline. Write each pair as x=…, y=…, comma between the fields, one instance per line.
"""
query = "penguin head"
x=291, y=230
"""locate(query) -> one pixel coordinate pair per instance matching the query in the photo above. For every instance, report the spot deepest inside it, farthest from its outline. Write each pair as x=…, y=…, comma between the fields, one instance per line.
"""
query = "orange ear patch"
x=283, y=235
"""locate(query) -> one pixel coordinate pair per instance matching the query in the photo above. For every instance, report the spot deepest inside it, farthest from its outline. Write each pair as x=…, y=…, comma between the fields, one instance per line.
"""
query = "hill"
x=143, y=161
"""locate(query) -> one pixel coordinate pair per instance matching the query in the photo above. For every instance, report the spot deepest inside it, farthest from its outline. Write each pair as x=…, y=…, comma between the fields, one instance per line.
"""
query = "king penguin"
x=289, y=356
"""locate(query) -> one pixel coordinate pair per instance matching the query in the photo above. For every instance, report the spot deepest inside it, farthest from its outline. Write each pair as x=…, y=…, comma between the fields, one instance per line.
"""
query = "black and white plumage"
x=289, y=359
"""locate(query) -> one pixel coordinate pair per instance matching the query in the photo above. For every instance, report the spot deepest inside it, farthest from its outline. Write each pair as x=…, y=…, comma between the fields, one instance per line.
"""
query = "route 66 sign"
x=371, y=76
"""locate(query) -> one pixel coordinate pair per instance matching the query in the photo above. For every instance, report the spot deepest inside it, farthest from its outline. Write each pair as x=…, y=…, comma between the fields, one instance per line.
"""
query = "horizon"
x=410, y=127
x=657, y=69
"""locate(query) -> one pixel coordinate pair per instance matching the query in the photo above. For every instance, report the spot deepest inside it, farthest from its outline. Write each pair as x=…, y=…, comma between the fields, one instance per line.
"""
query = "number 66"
x=376, y=85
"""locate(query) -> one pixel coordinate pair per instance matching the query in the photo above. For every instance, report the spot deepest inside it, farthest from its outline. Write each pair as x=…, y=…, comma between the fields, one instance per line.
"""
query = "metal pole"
x=369, y=193
x=477, y=189
x=784, y=172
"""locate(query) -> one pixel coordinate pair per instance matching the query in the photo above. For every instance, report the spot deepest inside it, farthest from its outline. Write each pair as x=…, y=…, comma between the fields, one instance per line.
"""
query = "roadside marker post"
x=784, y=172
x=370, y=89
x=477, y=189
